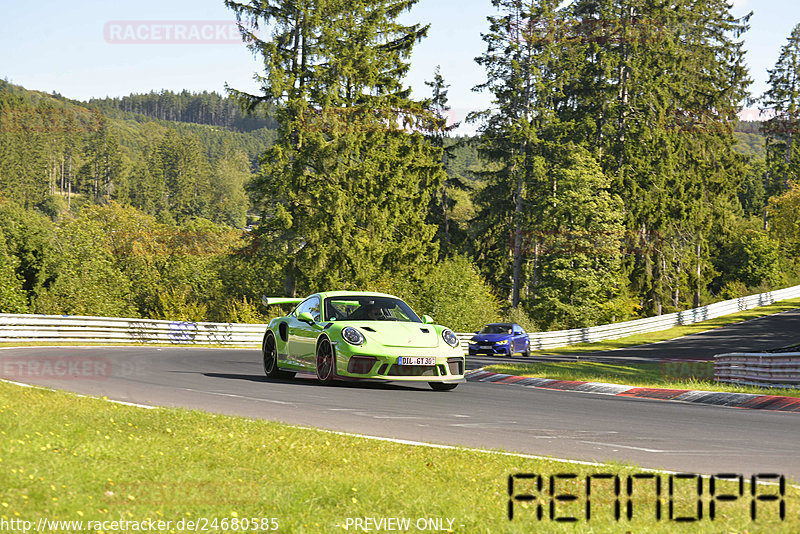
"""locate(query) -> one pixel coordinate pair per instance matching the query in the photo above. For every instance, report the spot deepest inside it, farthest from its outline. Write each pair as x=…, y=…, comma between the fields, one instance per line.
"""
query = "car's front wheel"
x=441, y=386
x=326, y=362
x=270, y=354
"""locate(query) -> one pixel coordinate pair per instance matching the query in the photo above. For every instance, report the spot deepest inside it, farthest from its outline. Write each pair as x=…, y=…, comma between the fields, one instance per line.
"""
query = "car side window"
x=310, y=305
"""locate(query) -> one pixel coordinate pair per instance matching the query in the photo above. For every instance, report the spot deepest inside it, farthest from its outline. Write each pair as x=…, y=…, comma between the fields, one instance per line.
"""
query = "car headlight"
x=449, y=337
x=352, y=336
x=504, y=342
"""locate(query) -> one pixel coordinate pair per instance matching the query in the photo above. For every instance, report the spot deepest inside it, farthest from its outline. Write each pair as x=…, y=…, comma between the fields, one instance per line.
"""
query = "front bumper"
x=488, y=349
x=448, y=368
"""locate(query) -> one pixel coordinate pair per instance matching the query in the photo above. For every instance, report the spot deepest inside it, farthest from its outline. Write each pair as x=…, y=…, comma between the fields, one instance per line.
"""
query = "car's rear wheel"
x=270, y=353
x=441, y=386
x=326, y=362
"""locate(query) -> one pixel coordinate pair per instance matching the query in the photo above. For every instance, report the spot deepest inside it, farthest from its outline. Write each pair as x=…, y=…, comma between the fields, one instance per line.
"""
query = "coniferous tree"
x=581, y=282
x=511, y=134
x=228, y=203
x=102, y=174
x=530, y=204
x=341, y=188
x=782, y=100
x=661, y=85
x=442, y=202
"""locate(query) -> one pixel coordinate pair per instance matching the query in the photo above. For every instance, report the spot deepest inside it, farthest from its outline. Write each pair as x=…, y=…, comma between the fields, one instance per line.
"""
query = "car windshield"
x=368, y=308
x=496, y=329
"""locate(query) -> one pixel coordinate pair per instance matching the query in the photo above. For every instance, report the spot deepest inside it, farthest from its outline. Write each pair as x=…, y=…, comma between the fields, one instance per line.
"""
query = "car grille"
x=412, y=370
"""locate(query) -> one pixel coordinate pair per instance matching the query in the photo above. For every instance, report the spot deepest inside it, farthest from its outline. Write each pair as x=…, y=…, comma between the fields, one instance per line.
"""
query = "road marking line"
x=658, y=451
x=623, y=446
x=146, y=406
x=238, y=396
x=20, y=384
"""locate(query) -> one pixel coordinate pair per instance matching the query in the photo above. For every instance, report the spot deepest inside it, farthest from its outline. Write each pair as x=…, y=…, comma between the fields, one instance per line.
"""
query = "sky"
x=92, y=48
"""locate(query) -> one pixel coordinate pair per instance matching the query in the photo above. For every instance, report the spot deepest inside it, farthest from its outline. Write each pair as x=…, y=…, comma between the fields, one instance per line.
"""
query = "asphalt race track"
x=757, y=335
x=655, y=434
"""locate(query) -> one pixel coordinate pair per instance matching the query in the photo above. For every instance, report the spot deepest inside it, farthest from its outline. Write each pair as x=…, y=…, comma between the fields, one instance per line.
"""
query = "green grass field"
x=65, y=457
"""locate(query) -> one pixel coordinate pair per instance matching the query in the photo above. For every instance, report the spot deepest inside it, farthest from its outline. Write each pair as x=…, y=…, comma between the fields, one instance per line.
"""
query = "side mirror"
x=306, y=318
x=426, y=319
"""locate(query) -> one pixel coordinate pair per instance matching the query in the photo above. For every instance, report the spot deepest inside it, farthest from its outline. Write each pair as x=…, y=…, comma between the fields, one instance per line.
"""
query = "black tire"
x=326, y=362
x=441, y=386
x=269, y=353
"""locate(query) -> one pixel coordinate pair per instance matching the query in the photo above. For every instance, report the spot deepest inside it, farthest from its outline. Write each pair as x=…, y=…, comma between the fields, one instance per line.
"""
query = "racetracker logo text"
x=171, y=32
x=80, y=368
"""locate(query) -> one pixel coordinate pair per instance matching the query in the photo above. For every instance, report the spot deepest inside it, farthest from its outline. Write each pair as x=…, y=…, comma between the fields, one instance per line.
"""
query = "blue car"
x=504, y=339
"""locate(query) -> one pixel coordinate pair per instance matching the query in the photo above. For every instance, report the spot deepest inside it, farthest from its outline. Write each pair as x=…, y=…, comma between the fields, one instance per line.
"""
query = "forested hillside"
x=200, y=108
x=113, y=213
x=609, y=179
x=57, y=152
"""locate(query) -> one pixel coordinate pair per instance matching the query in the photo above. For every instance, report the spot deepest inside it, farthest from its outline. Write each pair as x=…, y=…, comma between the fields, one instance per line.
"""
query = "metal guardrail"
x=562, y=338
x=758, y=369
x=85, y=329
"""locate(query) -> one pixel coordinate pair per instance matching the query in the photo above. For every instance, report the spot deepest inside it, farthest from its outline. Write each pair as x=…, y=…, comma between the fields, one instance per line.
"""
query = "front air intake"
x=361, y=365
x=455, y=366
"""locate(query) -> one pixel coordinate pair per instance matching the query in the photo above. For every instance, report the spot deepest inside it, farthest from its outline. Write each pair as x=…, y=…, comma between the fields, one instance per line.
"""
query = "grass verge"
x=669, y=375
x=65, y=457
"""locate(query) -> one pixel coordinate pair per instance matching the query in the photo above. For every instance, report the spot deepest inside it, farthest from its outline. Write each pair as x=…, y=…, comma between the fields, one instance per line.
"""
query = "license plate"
x=486, y=346
x=403, y=360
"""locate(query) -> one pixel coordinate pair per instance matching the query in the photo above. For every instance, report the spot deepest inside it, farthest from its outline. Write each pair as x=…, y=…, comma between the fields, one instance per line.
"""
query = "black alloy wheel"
x=326, y=362
x=270, y=354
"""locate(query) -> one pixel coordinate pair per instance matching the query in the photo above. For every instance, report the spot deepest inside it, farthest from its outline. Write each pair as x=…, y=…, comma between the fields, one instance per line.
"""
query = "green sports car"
x=348, y=334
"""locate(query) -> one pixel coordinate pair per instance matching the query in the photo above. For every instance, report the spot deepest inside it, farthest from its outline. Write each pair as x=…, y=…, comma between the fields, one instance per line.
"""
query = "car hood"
x=399, y=334
x=490, y=338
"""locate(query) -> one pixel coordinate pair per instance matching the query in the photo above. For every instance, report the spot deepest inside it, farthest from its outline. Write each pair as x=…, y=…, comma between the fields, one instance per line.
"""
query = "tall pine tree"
x=437, y=131
x=341, y=189
x=782, y=101
x=655, y=99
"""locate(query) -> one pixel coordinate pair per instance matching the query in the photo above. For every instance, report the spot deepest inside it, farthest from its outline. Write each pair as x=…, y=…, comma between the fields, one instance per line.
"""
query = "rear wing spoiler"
x=276, y=301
